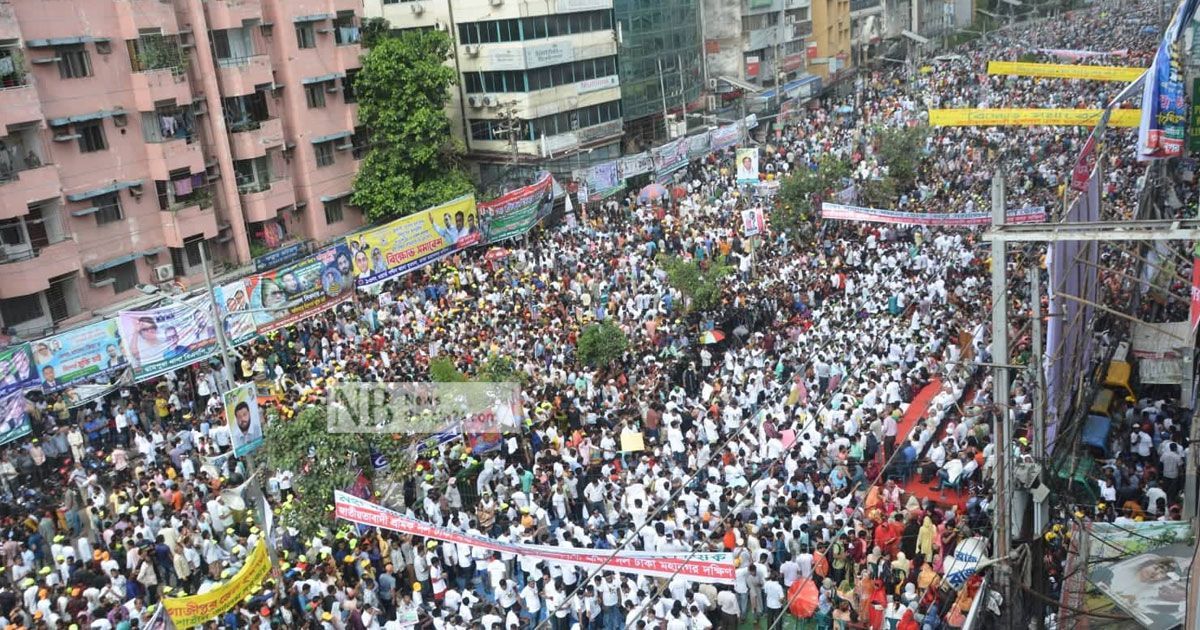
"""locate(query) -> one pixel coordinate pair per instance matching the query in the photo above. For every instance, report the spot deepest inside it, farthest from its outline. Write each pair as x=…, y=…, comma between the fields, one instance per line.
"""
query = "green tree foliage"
x=323, y=462
x=373, y=30
x=498, y=368
x=701, y=286
x=443, y=370
x=877, y=193
x=900, y=150
x=800, y=190
x=402, y=92
x=600, y=344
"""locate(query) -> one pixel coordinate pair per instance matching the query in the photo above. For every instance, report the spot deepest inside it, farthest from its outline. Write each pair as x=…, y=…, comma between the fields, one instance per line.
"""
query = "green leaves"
x=901, y=150
x=799, y=192
x=402, y=91
x=600, y=344
x=443, y=370
x=702, y=287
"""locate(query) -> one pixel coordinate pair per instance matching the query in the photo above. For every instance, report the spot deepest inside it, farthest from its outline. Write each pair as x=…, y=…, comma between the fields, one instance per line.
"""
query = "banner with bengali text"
x=187, y=612
x=714, y=567
x=516, y=211
x=1075, y=54
x=638, y=164
x=162, y=339
x=85, y=353
x=1161, y=127
x=841, y=212
x=1030, y=117
x=408, y=243
x=670, y=157
x=286, y=295
x=723, y=137
x=16, y=370
x=604, y=180
x=14, y=418
x=1064, y=71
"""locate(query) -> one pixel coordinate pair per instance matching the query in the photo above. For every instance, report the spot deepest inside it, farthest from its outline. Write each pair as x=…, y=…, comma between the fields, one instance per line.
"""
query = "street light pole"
x=222, y=342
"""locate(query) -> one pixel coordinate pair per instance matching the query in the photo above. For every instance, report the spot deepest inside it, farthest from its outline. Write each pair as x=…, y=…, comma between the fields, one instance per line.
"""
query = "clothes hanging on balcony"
x=168, y=125
x=183, y=187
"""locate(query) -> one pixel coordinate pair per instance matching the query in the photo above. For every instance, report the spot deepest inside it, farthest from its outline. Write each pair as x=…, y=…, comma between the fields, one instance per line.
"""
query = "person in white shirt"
x=773, y=597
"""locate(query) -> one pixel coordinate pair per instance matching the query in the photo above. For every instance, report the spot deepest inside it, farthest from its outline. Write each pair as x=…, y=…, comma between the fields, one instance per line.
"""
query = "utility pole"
x=1001, y=521
x=511, y=129
x=1039, y=391
x=222, y=342
x=682, y=93
x=662, y=88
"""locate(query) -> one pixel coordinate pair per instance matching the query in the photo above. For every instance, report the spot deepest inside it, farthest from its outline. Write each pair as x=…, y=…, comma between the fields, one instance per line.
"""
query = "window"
x=540, y=27
x=191, y=250
x=245, y=113
x=324, y=151
x=314, y=93
x=345, y=31
x=74, y=62
x=333, y=211
x=348, y=86
x=91, y=136
x=233, y=46
x=540, y=78
x=305, y=36
x=562, y=122
x=108, y=208
x=19, y=310
x=62, y=298
x=360, y=141
x=124, y=276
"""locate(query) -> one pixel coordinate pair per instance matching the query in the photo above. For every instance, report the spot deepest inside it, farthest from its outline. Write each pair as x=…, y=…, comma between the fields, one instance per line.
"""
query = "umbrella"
x=679, y=192
x=711, y=336
x=496, y=253
x=802, y=598
x=652, y=192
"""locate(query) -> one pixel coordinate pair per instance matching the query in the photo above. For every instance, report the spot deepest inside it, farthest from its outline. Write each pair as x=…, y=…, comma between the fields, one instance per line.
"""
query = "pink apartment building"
x=134, y=132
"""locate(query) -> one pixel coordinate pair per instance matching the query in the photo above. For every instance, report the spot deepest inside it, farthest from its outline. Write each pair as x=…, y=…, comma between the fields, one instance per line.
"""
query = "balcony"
x=163, y=84
x=186, y=222
x=18, y=101
x=239, y=75
x=135, y=17
x=25, y=177
x=261, y=201
x=224, y=14
x=173, y=155
x=29, y=271
x=252, y=138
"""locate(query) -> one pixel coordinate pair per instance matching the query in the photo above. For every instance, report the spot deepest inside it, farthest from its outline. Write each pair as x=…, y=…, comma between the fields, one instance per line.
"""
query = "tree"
x=324, y=462
x=499, y=368
x=877, y=193
x=402, y=92
x=600, y=344
x=701, y=287
x=900, y=150
x=374, y=30
x=801, y=193
x=443, y=370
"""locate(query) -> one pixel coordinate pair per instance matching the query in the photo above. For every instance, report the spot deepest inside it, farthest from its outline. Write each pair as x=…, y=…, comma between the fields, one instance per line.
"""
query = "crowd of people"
x=780, y=444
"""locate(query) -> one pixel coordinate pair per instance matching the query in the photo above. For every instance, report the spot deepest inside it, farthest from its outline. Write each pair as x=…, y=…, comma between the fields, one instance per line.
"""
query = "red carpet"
x=917, y=411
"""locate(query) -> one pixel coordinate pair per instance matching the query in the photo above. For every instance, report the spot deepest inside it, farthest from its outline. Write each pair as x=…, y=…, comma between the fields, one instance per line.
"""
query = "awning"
x=62, y=41
x=328, y=198
x=113, y=262
x=59, y=122
x=153, y=252
x=740, y=84
x=916, y=38
x=791, y=85
x=323, y=78
x=333, y=136
x=316, y=17
x=111, y=188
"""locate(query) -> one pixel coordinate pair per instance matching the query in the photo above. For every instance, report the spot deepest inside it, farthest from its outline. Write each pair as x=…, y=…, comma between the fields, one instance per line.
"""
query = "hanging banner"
x=293, y=292
x=604, y=180
x=634, y=165
x=16, y=370
x=697, y=146
x=1164, y=103
x=836, y=211
x=724, y=137
x=233, y=299
x=187, y=612
x=962, y=565
x=411, y=242
x=281, y=256
x=14, y=418
x=1084, y=165
x=747, y=166
x=1071, y=54
x=516, y=211
x=85, y=353
x=699, y=567
x=245, y=420
x=1030, y=117
x=163, y=339
x=1064, y=71
x=670, y=157
x=1194, y=315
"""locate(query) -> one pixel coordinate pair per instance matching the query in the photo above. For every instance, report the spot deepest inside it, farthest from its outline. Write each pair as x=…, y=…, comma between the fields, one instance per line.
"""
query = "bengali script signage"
x=1164, y=101
x=1030, y=117
x=699, y=567
x=413, y=241
x=516, y=211
x=670, y=157
x=634, y=165
x=840, y=212
x=723, y=137
x=16, y=370
x=286, y=295
x=604, y=180
x=281, y=256
x=187, y=612
x=85, y=353
x=1064, y=71
x=162, y=339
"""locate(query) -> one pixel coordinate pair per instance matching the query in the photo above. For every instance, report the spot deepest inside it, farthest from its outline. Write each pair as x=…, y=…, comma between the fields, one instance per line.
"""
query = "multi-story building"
x=829, y=51
x=538, y=82
x=661, y=66
x=136, y=132
x=756, y=43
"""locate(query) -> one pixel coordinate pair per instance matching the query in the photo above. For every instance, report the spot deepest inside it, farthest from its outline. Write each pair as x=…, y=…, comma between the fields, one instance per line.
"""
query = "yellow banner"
x=1064, y=71
x=408, y=243
x=1030, y=117
x=187, y=612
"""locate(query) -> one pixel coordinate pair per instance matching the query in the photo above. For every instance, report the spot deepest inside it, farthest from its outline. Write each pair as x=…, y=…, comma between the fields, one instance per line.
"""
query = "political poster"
x=410, y=242
x=840, y=212
x=965, y=561
x=16, y=370
x=753, y=222
x=670, y=157
x=85, y=353
x=187, y=612
x=1164, y=98
x=604, y=180
x=747, y=166
x=162, y=339
x=245, y=420
x=281, y=256
x=1064, y=71
x=516, y=211
x=233, y=300
x=638, y=164
x=723, y=137
x=302, y=289
x=14, y=418
x=1030, y=117
x=697, y=146
x=1151, y=586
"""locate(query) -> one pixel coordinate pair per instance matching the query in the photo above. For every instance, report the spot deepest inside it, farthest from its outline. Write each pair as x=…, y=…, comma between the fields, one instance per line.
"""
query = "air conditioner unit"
x=472, y=50
x=164, y=273
x=713, y=84
x=490, y=101
x=418, y=8
x=475, y=101
x=441, y=27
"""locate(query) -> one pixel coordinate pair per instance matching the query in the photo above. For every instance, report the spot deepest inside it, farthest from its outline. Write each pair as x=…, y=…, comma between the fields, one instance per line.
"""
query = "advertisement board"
x=166, y=338
x=293, y=292
x=85, y=353
x=407, y=243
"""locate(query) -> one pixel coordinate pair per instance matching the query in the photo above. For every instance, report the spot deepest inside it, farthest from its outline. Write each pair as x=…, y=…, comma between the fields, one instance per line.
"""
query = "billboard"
x=16, y=370
x=410, y=242
x=163, y=339
x=82, y=354
x=516, y=211
x=286, y=295
x=245, y=420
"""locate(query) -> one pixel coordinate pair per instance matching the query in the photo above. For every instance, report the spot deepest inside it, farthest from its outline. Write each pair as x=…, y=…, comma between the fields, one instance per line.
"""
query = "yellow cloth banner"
x=187, y=612
x=1064, y=71
x=1030, y=117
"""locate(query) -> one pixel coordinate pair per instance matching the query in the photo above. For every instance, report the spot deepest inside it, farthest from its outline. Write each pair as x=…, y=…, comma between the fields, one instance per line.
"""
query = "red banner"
x=1194, y=316
x=714, y=567
x=1084, y=165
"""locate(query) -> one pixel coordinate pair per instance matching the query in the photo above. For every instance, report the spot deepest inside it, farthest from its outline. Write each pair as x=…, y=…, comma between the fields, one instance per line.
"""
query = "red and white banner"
x=714, y=567
x=1194, y=316
x=842, y=212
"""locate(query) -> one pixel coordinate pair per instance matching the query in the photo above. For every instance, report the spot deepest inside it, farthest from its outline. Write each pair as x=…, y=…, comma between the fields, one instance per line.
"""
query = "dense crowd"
x=780, y=444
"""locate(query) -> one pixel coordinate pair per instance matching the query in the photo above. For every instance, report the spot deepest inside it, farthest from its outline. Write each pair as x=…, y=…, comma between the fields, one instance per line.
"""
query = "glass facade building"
x=654, y=31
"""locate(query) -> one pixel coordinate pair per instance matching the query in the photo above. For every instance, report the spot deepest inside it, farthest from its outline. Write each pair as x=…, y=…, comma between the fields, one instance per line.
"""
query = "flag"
x=1164, y=99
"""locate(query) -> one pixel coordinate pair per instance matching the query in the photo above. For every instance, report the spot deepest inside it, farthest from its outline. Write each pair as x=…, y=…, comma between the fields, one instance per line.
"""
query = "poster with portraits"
x=162, y=339
x=245, y=421
x=84, y=354
x=1151, y=586
x=747, y=166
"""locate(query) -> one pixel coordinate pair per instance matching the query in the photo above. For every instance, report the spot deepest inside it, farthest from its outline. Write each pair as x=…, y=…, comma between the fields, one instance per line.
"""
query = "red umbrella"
x=679, y=192
x=802, y=598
